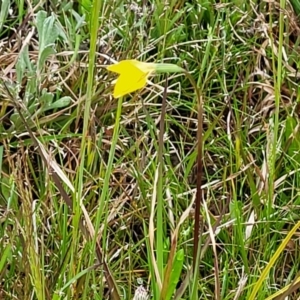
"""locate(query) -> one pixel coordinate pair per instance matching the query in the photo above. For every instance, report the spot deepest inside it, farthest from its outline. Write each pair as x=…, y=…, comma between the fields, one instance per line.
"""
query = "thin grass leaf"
x=272, y=261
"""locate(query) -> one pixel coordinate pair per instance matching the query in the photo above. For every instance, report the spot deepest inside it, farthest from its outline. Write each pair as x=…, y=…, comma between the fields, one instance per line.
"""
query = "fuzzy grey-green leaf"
x=60, y=103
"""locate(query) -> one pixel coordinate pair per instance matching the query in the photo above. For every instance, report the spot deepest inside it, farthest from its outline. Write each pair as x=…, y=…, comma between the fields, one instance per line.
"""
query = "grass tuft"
x=97, y=195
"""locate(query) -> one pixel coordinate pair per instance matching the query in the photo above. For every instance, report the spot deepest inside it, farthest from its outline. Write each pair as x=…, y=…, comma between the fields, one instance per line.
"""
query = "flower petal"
x=143, y=66
x=123, y=67
x=133, y=76
x=127, y=84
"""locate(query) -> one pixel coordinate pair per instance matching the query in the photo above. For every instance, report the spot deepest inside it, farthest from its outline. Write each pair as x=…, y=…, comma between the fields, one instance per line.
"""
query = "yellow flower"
x=133, y=76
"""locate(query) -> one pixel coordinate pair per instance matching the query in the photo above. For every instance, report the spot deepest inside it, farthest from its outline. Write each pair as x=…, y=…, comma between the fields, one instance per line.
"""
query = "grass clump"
x=97, y=194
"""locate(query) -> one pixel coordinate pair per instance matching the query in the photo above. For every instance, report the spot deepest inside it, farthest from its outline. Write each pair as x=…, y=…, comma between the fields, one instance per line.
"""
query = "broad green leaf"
x=48, y=33
x=8, y=191
x=21, y=64
x=175, y=274
x=46, y=99
x=47, y=51
x=86, y=6
x=40, y=19
x=62, y=102
x=166, y=249
x=296, y=6
x=61, y=32
x=24, y=64
x=290, y=124
x=25, y=67
x=5, y=256
x=294, y=148
x=4, y=12
x=1, y=159
x=80, y=20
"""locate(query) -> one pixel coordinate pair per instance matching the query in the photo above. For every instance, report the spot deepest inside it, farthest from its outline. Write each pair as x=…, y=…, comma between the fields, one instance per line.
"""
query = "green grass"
x=96, y=193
